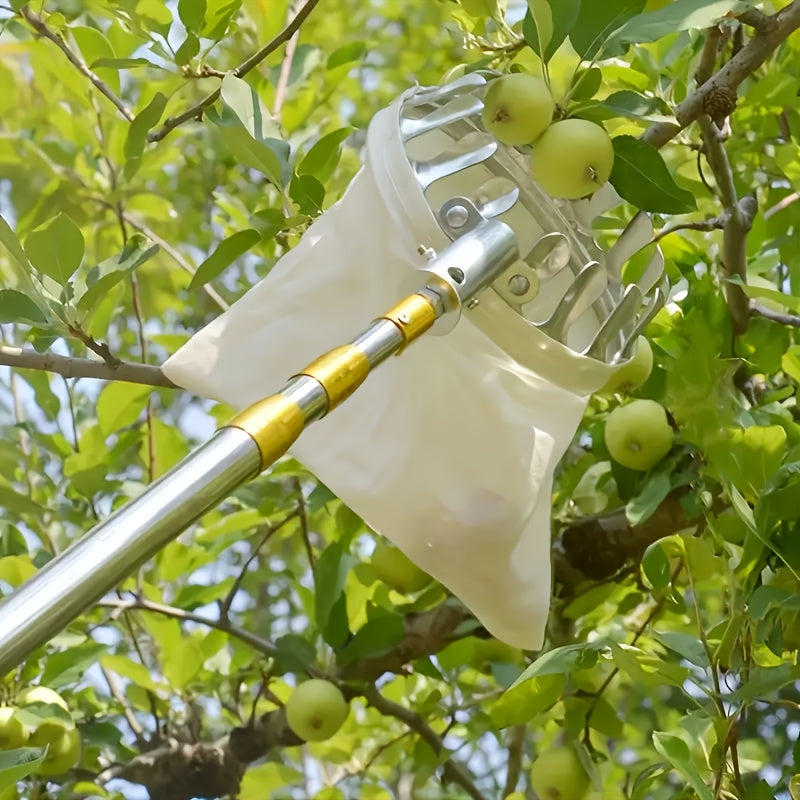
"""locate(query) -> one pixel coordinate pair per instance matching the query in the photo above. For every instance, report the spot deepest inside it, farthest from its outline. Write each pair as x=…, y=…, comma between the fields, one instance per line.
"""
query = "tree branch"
x=43, y=30
x=710, y=224
x=739, y=219
x=195, y=112
x=454, y=771
x=743, y=64
x=140, y=604
x=70, y=367
x=757, y=310
x=516, y=742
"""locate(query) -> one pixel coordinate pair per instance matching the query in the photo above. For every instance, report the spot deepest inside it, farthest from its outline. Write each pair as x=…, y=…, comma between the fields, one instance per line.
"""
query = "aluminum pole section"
x=74, y=580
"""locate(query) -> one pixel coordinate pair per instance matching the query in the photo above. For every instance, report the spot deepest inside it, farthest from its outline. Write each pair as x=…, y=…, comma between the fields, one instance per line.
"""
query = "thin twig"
x=304, y=528
x=757, y=310
x=256, y=642
x=516, y=742
x=195, y=112
x=69, y=367
x=708, y=57
x=122, y=702
x=740, y=67
x=781, y=204
x=286, y=69
x=454, y=771
x=710, y=224
x=43, y=30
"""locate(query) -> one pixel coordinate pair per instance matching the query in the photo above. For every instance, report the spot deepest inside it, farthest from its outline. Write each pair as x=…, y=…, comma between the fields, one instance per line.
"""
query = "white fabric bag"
x=448, y=450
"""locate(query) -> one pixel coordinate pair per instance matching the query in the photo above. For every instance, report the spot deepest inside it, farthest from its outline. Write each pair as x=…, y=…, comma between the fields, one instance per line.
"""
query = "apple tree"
x=273, y=650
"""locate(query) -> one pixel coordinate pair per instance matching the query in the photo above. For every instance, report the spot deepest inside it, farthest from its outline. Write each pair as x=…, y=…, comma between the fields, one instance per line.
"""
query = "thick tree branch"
x=727, y=80
x=454, y=771
x=43, y=30
x=70, y=367
x=195, y=112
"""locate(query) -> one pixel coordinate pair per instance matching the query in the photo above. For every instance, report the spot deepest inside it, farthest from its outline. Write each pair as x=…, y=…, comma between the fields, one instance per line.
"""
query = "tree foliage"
x=156, y=159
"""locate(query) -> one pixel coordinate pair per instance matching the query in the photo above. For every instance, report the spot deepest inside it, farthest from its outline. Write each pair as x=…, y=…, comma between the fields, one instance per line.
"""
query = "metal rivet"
x=404, y=318
x=473, y=303
x=518, y=285
x=421, y=249
x=456, y=217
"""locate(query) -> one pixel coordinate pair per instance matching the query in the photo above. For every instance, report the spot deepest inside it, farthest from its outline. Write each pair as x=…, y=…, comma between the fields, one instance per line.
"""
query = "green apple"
x=13, y=733
x=654, y=5
x=41, y=694
x=634, y=373
x=572, y=158
x=316, y=709
x=50, y=730
x=492, y=651
x=397, y=570
x=62, y=755
x=517, y=108
x=638, y=435
x=558, y=774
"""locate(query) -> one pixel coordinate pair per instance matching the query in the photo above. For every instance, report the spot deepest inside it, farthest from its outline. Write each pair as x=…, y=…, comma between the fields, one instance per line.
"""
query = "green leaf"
x=780, y=501
x=192, y=13
x=677, y=752
x=685, y=645
x=346, y=54
x=641, y=177
x=764, y=681
x=136, y=140
x=562, y=661
x=641, y=508
x=760, y=293
x=218, y=17
x=188, y=50
x=625, y=103
x=376, y=638
x=17, y=764
x=120, y=405
x=124, y=63
x=678, y=15
x=330, y=576
x=321, y=159
x=132, y=670
x=226, y=252
x=56, y=248
x=597, y=21
x=519, y=704
x=69, y=666
x=560, y=18
x=18, y=307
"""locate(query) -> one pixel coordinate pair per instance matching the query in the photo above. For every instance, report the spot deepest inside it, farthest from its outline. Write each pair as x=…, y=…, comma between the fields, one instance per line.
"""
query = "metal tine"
x=451, y=161
x=550, y=254
x=440, y=94
x=498, y=205
x=654, y=272
x=463, y=106
x=585, y=289
x=657, y=300
x=637, y=234
x=623, y=312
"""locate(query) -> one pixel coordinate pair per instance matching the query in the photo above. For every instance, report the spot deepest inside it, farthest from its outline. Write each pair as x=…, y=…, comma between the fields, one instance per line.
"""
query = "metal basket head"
x=565, y=288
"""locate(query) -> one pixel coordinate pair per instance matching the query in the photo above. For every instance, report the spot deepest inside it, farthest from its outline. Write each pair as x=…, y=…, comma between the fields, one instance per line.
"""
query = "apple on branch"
x=13, y=733
x=517, y=108
x=316, y=709
x=572, y=159
x=557, y=774
x=638, y=435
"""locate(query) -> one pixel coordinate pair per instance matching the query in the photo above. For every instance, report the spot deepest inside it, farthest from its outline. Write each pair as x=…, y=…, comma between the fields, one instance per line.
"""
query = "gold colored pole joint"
x=412, y=316
x=274, y=424
x=340, y=371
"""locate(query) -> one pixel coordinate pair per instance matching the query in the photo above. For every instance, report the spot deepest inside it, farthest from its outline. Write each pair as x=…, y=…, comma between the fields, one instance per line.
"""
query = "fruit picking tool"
x=462, y=233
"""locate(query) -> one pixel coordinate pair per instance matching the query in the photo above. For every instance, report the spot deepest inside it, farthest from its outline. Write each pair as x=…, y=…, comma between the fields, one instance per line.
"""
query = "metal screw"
x=404, y=318
x=456, y=217
x=518, y=285
x=473, y=303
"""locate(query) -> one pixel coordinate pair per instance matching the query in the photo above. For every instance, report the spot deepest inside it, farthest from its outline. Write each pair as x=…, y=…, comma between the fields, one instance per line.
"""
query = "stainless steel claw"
x=588, y=284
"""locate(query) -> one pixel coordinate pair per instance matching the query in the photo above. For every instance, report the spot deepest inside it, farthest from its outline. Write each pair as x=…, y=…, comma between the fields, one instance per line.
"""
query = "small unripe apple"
x=397, y=570
x=517, y=108
x=558, y=774
x=13, y=733
x=316, y=709
x=634, y=373
x=572, y=158
x=50, y=730
x=638, y=435
x=63, y=754
x=41, y=694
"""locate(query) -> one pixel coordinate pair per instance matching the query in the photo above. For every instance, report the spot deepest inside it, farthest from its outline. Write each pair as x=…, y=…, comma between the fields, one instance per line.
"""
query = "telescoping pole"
x=77, y=578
